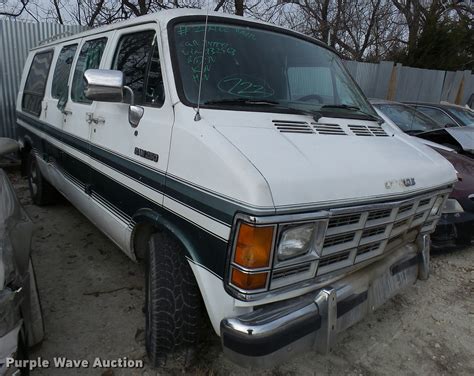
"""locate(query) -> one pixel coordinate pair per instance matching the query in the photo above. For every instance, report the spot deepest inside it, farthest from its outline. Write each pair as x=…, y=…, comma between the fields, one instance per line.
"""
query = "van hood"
x=334, y=160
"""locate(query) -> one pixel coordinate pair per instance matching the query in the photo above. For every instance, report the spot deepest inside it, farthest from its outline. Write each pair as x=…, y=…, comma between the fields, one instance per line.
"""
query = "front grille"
x=379, y=214
x=368, y=230
x=340, y=239
x=343, y=220
x=424, y=202
x=373, y=231
x=405, y=208
x=287, y=272
x=325, y=261
x=363, y=250
x=399, y=224
x=359, y=234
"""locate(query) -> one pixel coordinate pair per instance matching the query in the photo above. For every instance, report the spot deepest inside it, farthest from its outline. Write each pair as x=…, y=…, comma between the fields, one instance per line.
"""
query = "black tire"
x=22, y=353
x=463, y=231
x=173, y=301
x=41, y=191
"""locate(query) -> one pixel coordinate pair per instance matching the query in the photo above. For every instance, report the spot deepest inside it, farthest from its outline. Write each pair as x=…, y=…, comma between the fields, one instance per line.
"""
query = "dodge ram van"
x=242, y=163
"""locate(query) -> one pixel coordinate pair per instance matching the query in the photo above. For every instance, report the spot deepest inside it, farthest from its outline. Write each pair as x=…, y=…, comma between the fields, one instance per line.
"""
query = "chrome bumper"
x=275, y=332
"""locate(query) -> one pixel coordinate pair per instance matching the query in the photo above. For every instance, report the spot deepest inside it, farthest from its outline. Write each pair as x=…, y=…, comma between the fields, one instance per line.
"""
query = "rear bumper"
x=275, y=332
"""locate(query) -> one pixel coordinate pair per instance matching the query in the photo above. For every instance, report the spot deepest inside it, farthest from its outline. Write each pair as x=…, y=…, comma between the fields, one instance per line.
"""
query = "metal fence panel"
x=415, y=84
x=382, y=79
x=468, y=86
x=16, y=39
x=451, y=86
x=364, y=74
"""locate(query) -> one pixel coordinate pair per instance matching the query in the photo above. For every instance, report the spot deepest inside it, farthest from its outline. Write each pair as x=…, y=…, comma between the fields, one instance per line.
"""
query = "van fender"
x=161, y=222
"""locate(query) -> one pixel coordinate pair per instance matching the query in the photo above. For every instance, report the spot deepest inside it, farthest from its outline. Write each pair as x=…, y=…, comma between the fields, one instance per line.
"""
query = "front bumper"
x=275, y=332
x=453, y=229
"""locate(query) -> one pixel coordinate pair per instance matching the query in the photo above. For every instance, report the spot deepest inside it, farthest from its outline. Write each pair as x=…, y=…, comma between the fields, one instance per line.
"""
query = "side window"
x=437, y=115
x=62, y=70
x=138, y=58
x=89, y=58
x=310, y=82
x=35, y=84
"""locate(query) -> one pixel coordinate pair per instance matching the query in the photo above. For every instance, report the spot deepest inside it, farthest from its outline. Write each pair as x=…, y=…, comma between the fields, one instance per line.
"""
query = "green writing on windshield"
x=192, y=50
x=184, y=30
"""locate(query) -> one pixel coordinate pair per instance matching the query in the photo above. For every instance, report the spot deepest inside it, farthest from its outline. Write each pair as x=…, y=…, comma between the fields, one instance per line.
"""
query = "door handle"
x=67, y=112
x=96, y=120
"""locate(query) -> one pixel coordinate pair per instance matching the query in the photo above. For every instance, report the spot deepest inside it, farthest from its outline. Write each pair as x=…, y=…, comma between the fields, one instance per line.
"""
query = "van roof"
x=163, y=17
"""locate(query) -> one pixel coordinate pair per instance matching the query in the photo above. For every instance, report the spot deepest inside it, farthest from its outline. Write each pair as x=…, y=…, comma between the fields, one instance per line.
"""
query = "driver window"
x=138, y=58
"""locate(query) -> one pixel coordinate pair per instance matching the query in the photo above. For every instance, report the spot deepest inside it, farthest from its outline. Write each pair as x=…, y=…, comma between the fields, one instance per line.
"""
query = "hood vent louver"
x=334, y=129
x=303, y=127
x=362, y=130
x=293, y=126
x=287, y=126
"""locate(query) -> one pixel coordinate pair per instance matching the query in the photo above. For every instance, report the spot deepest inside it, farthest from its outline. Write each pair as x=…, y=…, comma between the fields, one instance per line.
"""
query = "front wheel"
x=173, y=301
x=41, y=191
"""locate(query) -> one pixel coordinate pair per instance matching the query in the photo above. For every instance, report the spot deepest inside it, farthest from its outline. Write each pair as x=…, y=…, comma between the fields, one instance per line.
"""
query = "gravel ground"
x=93, y=296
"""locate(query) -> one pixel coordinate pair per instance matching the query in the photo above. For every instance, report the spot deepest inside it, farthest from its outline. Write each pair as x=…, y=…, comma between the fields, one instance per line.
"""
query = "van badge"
x=147, y=154
x=403, y=183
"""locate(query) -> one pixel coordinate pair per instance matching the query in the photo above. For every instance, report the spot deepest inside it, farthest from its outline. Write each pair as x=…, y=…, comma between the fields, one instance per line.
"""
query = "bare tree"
x=239, y=7
x=9, y=10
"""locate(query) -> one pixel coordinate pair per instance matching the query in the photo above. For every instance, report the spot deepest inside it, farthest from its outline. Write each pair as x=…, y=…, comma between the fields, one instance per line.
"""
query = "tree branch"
x=24, y=3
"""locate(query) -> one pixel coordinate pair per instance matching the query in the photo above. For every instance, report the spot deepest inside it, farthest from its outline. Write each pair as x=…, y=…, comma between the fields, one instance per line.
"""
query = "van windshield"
x=247, y=66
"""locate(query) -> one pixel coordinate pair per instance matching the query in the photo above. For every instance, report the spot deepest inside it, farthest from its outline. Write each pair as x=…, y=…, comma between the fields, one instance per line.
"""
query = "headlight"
x=436, y=206
x=452, y=206
x=295, y=241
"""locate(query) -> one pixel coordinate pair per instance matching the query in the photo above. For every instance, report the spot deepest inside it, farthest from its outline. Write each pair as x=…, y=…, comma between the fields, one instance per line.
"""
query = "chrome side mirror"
x=104, y=85
x=107, y=85
x=135, y=114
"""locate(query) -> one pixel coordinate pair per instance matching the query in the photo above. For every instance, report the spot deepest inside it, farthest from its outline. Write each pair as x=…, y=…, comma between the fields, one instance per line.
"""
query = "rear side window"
x=437, y=115
x=33, y=92
x=138, y=58
x=89, y=58
x=62, y=70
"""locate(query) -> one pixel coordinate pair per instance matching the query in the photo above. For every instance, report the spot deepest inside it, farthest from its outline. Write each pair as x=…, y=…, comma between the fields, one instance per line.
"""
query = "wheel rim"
x=34, y=177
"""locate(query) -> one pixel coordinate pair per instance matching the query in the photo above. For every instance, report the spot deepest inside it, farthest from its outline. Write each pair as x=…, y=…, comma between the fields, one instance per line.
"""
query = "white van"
x=251, y=175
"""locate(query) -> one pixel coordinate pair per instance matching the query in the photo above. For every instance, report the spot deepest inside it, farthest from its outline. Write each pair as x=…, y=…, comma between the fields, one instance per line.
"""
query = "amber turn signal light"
x=248, y=281
x=254, y=246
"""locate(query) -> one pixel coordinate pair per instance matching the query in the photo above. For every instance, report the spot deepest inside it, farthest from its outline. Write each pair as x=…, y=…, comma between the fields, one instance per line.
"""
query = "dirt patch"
x=92, y=297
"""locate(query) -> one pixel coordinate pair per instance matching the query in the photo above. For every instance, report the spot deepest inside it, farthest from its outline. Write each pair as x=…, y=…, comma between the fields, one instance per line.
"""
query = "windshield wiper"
x=264, y=102
x=344, y=106
x=354, y=108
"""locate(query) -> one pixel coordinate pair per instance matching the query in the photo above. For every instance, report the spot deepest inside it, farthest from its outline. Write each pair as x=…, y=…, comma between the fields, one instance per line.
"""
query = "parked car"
x=237, y=172
x=21, y=320
x=445, y=114
x=459, y=138
x=457, y=221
